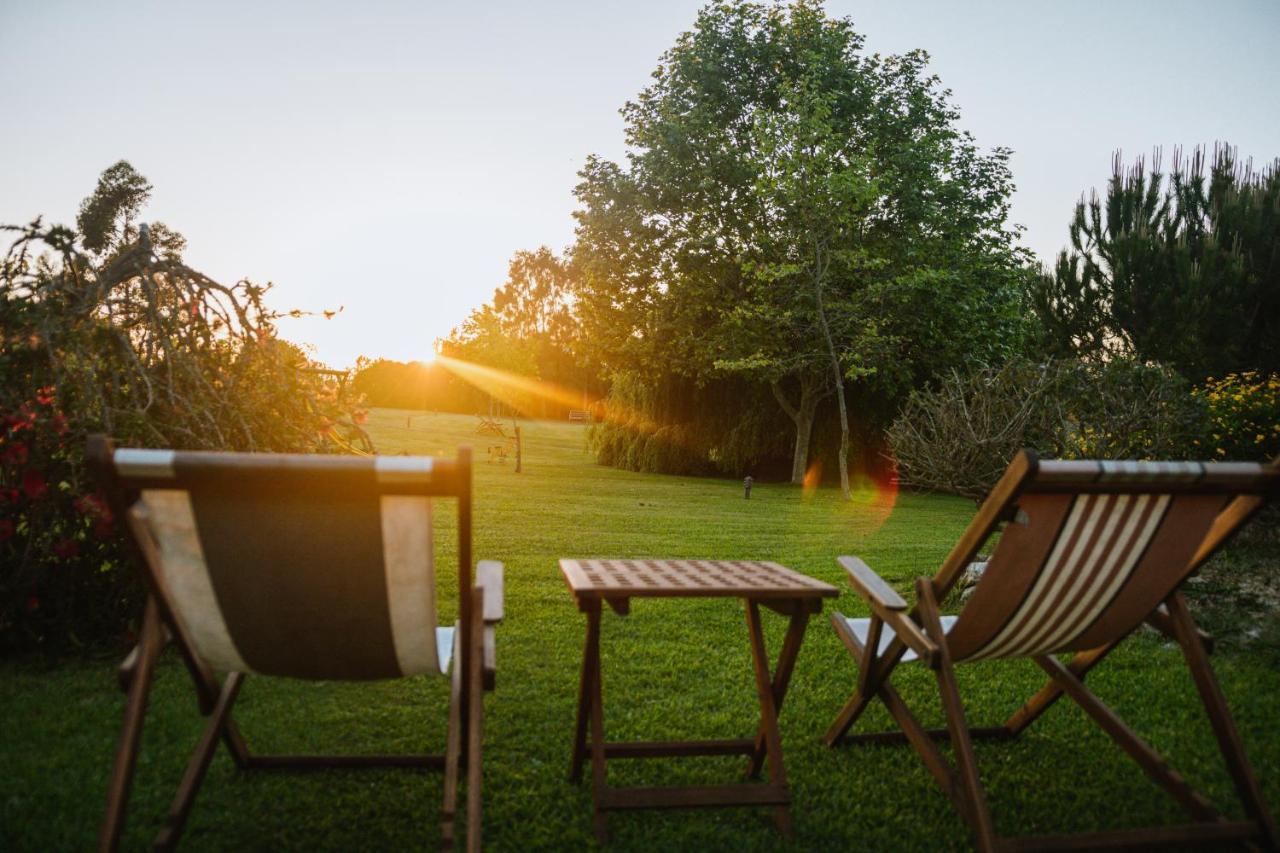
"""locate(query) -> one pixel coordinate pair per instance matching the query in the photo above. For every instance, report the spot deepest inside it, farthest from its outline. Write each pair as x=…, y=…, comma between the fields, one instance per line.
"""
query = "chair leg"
x=141, y=675
x=475, y=688
x=168, y=836
x=1151, y=762
x=848, y=715
x=453, y=752
x=1215, y=705
x=910, y=729
x=974, y=796
x=1079, y=666
x=868, y=681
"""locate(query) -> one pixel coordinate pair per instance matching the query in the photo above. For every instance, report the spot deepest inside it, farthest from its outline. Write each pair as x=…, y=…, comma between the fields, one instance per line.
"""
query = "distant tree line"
x=413, y=385
x=528, y=331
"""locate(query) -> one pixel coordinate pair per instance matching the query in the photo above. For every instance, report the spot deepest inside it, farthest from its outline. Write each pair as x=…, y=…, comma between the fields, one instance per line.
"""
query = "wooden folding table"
x=616, y=582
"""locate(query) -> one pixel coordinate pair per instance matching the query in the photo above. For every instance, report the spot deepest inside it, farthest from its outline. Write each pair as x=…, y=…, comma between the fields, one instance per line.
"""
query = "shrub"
x=127, y=340
x=1122, y=409
x=670, y=451
x=57, y=533
x=960, y=435
x=1243, y=416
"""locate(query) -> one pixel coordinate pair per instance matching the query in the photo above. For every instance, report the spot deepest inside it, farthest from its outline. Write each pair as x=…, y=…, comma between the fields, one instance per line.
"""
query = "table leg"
x=781, y=678
x=590, y=651
x=768, y=713
x=599, y=819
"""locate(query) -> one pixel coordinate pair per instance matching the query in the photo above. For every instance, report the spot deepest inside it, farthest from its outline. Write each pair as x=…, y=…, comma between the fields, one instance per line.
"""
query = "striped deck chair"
x=1089, y=552
x=310, y=567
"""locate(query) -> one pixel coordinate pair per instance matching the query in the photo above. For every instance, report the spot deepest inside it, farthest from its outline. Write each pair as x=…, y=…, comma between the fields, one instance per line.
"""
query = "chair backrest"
x=297, y=565
x=1092, y=548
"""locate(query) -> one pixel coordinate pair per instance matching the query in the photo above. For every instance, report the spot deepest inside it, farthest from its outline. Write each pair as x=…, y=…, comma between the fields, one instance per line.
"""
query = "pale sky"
x=390, y=157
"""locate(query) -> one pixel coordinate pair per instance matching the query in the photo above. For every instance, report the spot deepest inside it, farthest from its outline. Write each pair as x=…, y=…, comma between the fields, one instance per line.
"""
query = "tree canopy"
x=799, y=213
x=1182, y=268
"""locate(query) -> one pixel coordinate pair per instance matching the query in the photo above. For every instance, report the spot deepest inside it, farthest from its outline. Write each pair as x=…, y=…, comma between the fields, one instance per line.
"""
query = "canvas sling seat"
x=298, y=566
x=1089, y=552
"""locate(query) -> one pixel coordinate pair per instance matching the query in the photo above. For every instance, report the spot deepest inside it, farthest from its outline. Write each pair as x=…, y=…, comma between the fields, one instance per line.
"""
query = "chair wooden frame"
x=473, y=662
x=920, y=631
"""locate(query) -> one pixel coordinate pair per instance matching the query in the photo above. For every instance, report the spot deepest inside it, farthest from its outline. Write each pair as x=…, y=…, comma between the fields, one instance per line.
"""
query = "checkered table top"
x=625, y=578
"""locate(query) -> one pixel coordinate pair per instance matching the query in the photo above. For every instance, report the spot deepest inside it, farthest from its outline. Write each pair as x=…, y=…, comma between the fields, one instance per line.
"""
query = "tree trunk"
x=838, y=378
x=811, y=393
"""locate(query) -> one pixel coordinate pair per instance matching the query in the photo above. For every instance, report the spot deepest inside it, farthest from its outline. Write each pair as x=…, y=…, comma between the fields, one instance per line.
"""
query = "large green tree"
x=1182, y=268
x=799, y=212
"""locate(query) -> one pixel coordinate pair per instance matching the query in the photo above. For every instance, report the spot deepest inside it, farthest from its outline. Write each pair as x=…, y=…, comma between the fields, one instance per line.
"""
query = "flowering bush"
x=1244, y=416
x=57, y=534
x=106, y=330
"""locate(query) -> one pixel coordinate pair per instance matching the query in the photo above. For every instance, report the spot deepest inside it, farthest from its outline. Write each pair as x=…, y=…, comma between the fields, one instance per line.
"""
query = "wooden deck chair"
x=312, y=567
x=1089, y=552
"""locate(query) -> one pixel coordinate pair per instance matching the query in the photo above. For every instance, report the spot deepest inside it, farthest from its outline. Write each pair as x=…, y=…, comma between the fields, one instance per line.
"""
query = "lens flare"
x=872, y=497
x=812, y=479
x=519, y=392
x=524, y=393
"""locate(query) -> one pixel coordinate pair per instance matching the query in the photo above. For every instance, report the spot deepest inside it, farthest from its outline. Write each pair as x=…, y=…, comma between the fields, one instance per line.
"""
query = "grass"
x=672, y=669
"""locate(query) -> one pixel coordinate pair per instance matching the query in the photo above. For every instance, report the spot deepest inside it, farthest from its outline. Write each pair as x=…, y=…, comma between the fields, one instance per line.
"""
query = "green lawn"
x=672, y=669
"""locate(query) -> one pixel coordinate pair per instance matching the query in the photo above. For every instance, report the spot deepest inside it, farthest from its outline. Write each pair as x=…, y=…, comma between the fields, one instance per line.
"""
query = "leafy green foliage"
x=796, y=213
x=1182, y=269
x=727, y=426
x=106, y=217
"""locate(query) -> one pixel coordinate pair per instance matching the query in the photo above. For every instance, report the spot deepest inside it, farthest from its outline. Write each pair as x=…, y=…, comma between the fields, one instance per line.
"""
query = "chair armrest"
x=489, y=576
x=890, y=607
x=870, y=585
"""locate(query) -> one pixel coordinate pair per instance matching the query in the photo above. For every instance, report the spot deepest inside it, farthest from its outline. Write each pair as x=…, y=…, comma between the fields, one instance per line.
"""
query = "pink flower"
x=34, y=485
x=66, y=548
x=6, y=529
x=22, y=419
x=16, y=454
x=95, y=507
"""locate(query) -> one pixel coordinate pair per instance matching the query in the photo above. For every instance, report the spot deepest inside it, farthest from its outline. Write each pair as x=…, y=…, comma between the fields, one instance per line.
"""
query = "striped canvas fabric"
x=1077, y=570
x=320, y=583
